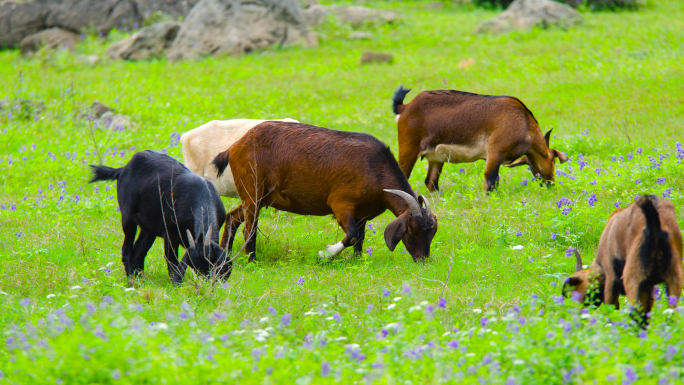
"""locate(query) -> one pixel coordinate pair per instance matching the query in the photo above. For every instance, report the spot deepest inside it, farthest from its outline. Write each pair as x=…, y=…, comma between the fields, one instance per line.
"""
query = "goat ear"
x=520, y=162
x=395, y=230
x=561, y=156
x=547, y=137
x=570, y=285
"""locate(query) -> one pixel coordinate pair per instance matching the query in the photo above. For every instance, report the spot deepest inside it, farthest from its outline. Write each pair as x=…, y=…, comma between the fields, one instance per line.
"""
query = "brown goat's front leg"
x=345, y=218
x=432, y=178
x=361, y=228
x=251, y=214
x=233, y=221
x=492, y=172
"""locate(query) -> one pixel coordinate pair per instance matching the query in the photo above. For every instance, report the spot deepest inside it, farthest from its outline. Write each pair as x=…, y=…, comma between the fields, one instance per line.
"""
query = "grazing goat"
x=640, y=247
x=459, y=127
x=311, y=170
x=165, y=199
x=200, y=146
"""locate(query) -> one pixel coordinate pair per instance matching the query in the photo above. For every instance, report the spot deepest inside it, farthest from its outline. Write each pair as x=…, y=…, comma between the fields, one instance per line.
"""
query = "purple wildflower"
x=406, y=289
x=386, y=292
x=442, y=303
x=272, y=310
x=369, y=251
x=523, y=202
x=518, y=234
x=553, y=235
x=369, y=308
x=484, y=321
x=569, y=251
x=300, y=281
x=325, y=369
x=672, y=300
x=660, y=180
x=285, y=319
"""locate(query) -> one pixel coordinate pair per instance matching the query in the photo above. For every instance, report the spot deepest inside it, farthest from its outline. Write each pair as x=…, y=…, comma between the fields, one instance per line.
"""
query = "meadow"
x=485, y=308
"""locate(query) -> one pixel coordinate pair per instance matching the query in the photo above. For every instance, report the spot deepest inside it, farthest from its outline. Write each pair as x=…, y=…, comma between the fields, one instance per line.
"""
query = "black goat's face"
x=204, y=258
x=415, y=228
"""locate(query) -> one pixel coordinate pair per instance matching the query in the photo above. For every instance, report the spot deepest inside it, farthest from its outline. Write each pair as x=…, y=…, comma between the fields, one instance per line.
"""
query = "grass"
x=607, y=88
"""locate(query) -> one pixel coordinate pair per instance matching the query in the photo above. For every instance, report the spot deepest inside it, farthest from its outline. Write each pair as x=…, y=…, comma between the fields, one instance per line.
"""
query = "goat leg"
x=140, y=248
x=251, y=213
x=233, y=221
x=492, y=172
x=432, y=178
x=129, y=229
x=346, y=220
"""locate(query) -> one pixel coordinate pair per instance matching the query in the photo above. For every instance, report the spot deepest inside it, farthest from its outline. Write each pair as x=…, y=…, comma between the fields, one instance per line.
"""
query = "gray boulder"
x=215, y=27
x=51, y=38
x=524, y=14
x=20, y=19
x=376, y=57
x=149, y=42
x=357, y=16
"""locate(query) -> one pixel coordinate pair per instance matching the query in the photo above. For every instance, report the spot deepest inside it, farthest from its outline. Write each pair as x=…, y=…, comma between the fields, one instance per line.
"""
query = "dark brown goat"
x=640, y=247
x=311, y=170
x=460, y=127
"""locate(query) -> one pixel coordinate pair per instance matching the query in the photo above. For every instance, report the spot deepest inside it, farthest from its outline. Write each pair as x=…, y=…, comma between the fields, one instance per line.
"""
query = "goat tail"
x=104, y=173
x=654, y=236
x=398, y=99
x=221, y=162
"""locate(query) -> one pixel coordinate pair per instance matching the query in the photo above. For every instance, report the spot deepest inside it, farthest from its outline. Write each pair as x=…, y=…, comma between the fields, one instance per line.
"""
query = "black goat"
x=167, y=200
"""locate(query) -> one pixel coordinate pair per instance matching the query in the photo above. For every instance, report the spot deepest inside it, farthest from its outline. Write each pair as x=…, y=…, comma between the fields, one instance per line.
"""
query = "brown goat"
x=311, y=170
x=460, y=127
x=640, y=247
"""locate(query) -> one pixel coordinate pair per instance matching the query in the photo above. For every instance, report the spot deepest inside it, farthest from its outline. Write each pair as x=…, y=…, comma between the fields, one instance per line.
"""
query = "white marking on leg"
x=397, y=117
x=331, y=250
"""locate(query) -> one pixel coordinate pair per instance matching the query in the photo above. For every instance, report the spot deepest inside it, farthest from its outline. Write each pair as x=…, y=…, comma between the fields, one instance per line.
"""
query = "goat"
x=200, y=145
x=458, y=127
x=640, y=247
x=311, y=170
x=165, y=199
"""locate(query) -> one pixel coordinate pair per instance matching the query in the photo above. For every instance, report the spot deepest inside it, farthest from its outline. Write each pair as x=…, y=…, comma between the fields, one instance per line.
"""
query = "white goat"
x=202, y=144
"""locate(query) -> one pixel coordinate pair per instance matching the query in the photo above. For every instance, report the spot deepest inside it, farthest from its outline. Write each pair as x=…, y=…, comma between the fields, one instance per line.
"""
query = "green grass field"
x=478, y=311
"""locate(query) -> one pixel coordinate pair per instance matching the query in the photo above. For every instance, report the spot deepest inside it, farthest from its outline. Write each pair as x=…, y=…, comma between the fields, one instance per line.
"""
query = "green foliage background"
x=607, y=88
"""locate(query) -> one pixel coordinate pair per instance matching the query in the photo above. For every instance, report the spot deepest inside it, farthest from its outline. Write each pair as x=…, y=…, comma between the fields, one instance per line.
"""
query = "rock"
x=435, y=5
x=215, y=27
x=51, y=38
x=20, y=19
x=356, y=16
x=93, y=59
x=307, y=3
x=375, y=57
x=523, y=14
x=147, y=43
x=116, y=122
x=316, y=14
x=100, y=109
x=360, y=35
x=466, y=63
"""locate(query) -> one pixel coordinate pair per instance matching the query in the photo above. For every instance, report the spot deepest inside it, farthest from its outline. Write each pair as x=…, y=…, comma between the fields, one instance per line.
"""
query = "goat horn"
x=191, y=242
x=578, y=265
x=410, y=200
x=207, y=236
x=425, y=201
